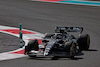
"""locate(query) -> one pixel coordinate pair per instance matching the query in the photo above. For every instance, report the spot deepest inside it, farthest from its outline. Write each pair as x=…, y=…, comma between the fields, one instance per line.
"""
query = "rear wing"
x=68, y=29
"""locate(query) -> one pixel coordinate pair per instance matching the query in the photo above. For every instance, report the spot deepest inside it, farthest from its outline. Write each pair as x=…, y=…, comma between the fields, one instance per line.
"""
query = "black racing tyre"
x=70, y=48
x=32, y=45
x=84, y=42
x=72, y=51
x=67, y=46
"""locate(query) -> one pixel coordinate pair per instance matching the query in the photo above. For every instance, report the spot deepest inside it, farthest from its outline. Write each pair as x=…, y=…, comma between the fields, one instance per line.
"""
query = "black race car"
x=60, y=43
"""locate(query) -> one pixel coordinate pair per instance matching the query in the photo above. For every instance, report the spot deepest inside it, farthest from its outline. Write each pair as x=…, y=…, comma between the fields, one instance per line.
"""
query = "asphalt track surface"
x=8, y=43
x=43, y=17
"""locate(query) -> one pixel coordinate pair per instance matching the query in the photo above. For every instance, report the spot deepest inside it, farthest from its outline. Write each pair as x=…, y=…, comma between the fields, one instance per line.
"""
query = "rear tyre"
x=84, y=42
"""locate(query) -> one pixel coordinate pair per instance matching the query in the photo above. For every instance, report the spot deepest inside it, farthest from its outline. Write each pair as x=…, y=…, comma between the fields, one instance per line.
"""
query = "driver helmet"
x=59, y=36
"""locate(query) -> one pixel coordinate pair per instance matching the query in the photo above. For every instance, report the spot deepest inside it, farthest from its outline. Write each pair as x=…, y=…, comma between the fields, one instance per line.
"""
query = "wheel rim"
x=72, y=50
x=88, y=41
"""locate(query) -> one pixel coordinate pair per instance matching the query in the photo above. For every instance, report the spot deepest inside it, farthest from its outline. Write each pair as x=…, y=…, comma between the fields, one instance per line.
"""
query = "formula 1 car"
x=60, y=43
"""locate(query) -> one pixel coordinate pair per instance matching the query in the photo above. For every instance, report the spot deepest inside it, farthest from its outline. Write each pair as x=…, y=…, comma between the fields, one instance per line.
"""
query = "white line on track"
x=19, y=52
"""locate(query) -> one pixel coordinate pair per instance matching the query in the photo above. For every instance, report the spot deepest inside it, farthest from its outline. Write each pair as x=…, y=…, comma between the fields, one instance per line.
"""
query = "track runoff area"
x=90, y=3
x=18, y=32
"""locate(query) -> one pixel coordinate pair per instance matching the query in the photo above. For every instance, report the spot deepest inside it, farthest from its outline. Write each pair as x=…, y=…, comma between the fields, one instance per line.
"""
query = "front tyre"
x=32, y=45
x=72, y=51
x=70, y=48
